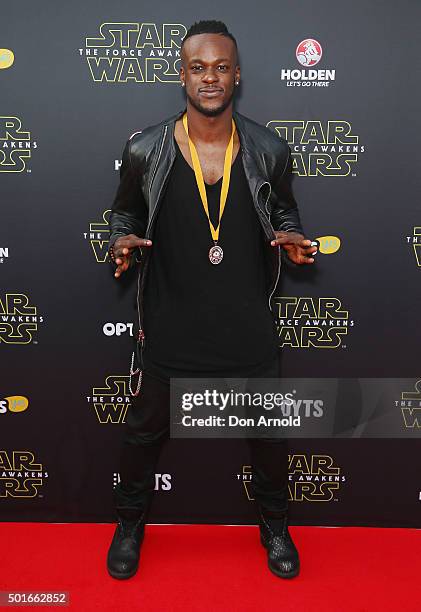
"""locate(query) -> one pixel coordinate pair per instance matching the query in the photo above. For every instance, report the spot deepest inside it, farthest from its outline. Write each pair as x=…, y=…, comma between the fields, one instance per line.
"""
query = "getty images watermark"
x=295, y=408
x=218, y=400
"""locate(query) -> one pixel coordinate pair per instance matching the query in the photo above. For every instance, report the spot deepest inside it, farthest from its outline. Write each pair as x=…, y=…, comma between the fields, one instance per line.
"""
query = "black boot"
x=283, y=557
x=123, y=554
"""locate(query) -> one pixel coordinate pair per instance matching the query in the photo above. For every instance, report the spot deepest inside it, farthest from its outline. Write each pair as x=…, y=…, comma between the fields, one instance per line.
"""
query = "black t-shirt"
x=202, y=318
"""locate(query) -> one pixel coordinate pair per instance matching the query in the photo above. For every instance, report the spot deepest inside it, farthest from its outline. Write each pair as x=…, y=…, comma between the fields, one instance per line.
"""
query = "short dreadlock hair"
x=209, y=27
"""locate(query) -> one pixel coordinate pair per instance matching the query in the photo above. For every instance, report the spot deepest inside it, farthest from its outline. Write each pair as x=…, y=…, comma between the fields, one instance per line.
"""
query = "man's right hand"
x=123, y=249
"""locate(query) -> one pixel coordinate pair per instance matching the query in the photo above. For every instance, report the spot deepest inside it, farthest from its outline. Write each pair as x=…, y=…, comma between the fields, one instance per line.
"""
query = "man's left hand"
x=297, y=247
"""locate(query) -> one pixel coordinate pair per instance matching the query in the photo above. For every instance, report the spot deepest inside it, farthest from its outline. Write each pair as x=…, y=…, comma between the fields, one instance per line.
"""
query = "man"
x=206, y=175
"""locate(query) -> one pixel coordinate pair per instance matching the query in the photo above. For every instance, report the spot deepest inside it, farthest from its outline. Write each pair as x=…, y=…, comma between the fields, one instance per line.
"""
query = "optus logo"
x=309, y=52
x=162, y=481
x=6, y=58
x=329, y=244
x=117, y=329
x=14, y=403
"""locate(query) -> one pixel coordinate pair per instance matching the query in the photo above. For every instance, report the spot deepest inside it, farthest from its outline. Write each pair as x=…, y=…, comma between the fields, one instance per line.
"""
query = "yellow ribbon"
x=200, y=182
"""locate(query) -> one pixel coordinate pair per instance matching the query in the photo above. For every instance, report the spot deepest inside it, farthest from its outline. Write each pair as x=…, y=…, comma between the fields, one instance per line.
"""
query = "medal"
x=216, y=253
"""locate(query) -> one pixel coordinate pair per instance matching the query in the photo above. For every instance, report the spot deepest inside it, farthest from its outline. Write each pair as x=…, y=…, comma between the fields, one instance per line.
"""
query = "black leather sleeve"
x=285, y=216
x=129, y=211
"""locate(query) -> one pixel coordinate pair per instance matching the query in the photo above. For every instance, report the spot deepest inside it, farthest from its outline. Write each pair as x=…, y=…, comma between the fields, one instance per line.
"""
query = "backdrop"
x=76, y=81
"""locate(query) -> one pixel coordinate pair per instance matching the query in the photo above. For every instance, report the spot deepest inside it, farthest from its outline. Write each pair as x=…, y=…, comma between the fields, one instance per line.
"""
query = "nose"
x=210, y=76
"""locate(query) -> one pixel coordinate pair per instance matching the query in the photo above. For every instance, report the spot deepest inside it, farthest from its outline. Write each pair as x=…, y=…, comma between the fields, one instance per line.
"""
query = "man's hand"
x=297, y=247
x=123, y=249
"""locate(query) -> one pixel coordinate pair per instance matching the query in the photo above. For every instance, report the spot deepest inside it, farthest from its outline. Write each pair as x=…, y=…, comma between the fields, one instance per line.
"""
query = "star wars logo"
x=415, y=242
x=99, y=237
x=135, y=52
x=311, y=478
x=320, y=148
x=18, y=320
x=15, y=145
x=410, y=405
x=307, y=322
x=111, y=402
x=162, y=481
x=20, y=475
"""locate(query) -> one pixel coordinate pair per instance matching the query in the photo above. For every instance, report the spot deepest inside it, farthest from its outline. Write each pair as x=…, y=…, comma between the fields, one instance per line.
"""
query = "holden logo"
x=309, y=52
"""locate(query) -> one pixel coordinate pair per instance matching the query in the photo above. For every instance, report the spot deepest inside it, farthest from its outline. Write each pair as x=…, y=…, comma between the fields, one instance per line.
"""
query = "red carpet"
x=203, y=568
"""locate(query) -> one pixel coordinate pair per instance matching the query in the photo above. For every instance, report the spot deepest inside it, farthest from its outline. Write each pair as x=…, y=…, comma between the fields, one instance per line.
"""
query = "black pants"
x=147, y=428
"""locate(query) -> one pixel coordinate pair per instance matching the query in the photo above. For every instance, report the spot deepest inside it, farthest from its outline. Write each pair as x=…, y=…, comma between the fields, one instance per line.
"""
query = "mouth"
x=210, y=92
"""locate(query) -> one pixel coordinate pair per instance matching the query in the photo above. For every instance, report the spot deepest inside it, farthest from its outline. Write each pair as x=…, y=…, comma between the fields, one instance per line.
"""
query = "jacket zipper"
x=141, y=332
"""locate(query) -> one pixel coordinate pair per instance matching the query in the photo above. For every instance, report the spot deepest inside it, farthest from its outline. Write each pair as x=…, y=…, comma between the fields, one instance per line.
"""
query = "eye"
x=223, y=67
x=196, y=67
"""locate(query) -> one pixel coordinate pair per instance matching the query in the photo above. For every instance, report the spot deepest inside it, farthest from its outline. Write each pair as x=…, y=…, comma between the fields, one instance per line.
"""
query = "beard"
x=210, y=112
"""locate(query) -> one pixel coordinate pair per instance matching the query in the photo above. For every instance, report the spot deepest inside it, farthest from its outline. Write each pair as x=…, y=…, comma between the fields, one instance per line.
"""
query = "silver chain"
x=139, y=380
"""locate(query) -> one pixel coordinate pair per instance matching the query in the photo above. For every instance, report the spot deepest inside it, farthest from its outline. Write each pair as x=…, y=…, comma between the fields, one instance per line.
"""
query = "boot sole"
x=121, y=576
x=278, y=572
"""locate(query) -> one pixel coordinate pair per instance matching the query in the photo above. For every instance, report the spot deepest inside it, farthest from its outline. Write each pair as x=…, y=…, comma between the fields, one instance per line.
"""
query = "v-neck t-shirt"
x=201, y=318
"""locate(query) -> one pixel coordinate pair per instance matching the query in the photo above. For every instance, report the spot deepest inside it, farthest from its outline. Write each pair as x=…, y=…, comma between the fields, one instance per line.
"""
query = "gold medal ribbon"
x=201, y=183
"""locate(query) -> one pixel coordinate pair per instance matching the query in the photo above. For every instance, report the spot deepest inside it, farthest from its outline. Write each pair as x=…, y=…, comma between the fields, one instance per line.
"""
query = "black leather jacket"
x=146, y=163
